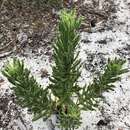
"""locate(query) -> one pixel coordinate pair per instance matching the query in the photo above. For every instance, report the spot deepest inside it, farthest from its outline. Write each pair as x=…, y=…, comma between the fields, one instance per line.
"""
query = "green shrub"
x=63, y=95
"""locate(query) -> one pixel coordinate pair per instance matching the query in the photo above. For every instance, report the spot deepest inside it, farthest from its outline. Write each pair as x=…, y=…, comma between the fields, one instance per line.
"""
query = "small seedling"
x=63, y=95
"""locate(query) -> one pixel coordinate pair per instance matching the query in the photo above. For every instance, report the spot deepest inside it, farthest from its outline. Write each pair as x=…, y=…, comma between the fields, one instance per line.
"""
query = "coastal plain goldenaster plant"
x=63, y=95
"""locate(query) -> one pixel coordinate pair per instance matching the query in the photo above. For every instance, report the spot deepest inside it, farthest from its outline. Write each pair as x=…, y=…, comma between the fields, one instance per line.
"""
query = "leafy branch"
x=29, y=93
x=103, y=83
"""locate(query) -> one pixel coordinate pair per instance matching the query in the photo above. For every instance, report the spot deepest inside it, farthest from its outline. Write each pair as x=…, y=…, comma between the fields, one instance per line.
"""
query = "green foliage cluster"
x=63, y=95
x=29, y=93
x=66, y=70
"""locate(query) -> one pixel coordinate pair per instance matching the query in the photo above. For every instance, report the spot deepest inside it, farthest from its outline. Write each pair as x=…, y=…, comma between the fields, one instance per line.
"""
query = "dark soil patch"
x=39, y=22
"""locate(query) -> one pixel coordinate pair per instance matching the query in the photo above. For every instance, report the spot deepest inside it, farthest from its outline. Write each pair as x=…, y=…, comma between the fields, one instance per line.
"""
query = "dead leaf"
x=44, y=73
